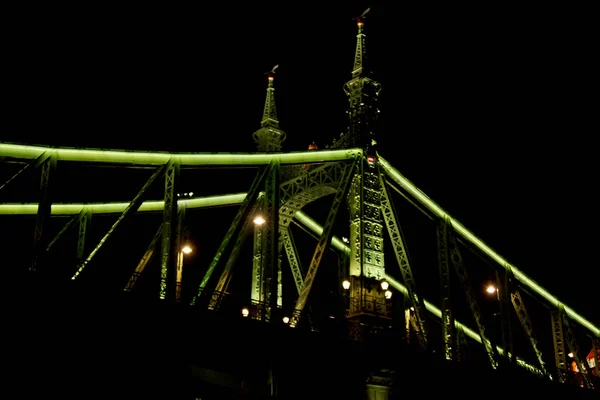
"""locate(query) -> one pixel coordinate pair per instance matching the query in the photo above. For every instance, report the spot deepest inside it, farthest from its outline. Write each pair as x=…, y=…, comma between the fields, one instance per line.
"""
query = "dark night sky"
x=487, y=110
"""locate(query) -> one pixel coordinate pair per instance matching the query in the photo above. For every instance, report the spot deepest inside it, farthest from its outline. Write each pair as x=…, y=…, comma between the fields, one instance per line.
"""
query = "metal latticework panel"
x=324, y=240
x=179, y=252
x=503, y=292
x=257, y=289
x=271, y=236
x=560, y=356
x=168, y=255
x=574, y=348
x=525, y=321
x=403, y=262
x=446, y=309
x=461, y=271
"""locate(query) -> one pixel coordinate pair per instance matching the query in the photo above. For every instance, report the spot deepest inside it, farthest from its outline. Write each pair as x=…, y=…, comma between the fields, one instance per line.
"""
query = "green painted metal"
x=18, y=151
x=241, y=215
x=323, y=243
x=43, y=213
x=132, y=208
x=168, y=255
x=434, y=208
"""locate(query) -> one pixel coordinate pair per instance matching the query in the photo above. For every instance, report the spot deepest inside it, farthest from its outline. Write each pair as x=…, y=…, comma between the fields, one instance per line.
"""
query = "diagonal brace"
x=131, y=209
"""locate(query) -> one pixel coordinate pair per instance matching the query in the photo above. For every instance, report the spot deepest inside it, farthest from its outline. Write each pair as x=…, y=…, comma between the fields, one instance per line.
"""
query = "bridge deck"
x=119, y=349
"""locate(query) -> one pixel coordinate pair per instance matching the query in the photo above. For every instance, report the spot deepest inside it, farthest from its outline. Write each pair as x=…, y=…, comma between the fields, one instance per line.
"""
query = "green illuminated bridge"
x=308, y=268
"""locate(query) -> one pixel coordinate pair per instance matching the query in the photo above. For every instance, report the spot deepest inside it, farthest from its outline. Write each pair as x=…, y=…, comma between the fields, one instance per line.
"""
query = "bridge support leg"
x=43, y=214
x=169, y=230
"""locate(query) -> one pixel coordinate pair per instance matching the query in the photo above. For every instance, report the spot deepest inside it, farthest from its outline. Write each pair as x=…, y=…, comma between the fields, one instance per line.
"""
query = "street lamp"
x=186, y=249
x=286, y=320
x=491, y=289
x=259, y=220
x=346, y=284
x=245, y=312
x=385, y=285
x=388, y=294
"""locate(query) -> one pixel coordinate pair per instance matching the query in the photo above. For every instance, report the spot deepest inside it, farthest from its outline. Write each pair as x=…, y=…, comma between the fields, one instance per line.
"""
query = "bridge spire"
x=363, y=93
x=269, y=137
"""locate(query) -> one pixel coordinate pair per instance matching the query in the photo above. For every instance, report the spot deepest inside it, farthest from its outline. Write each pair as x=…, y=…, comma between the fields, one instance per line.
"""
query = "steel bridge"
x=140, y=278
x=430, y=325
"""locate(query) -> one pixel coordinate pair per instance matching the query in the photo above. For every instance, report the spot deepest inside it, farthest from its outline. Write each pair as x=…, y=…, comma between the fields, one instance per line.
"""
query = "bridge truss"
x=311, y=178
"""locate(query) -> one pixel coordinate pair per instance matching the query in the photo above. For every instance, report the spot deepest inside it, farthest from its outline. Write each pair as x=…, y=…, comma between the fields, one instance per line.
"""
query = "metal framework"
x=324, y=240
x=448, y=331
x=48, y=164
x=462, y=274
x=131, y=209
x=403, y=261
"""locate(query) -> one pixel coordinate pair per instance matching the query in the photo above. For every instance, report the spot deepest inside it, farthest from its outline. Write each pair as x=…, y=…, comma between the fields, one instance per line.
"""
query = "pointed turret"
x=363, y=94
x=269, y=137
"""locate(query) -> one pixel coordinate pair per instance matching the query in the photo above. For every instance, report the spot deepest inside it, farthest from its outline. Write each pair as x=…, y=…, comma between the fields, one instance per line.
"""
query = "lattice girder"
x=242, y=214
x=448, y=331
x=461, y=272
x=324, y=240
x=403, y=261
x=523, y=315
x=574, y=349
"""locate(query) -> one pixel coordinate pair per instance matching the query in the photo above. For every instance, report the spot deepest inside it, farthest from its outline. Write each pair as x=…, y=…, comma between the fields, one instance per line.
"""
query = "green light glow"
x=117, y=208
x=465, y=233
x=185, y=159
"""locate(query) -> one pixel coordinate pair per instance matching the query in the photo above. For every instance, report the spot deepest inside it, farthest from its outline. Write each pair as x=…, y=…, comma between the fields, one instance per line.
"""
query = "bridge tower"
x=266, y=263
x=367, y=302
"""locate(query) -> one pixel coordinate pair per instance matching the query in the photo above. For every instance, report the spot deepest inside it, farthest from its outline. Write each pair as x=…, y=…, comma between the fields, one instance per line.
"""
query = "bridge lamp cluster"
x=385, y=286
x=187, y=194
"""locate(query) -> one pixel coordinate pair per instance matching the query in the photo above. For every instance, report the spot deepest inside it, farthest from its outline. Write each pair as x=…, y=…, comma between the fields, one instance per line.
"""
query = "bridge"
x=321, y=272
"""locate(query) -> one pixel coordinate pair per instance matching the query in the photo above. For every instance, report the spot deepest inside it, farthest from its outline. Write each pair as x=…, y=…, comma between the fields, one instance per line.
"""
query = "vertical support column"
x=271, y=237
x=180, y=254
x=84, y=221
x=559, y=346
x=279, y=272
x=444, y=270
x=168, y=251
x=43, y=214
x=257, y=291
x=504, y=290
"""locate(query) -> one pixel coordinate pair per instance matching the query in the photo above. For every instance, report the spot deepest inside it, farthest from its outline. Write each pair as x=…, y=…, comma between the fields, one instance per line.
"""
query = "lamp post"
x=184, y=250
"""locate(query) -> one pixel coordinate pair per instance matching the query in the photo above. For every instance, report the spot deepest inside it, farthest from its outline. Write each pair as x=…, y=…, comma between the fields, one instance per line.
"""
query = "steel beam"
x=242, y=214
x=43, y=214
x=429, y=204
x=324, y=241
x=131, y=209
x=169, y=252
x=461, y=272
x=144, y=260
x=397, y=240
x=448, y=331
x=137, y=158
